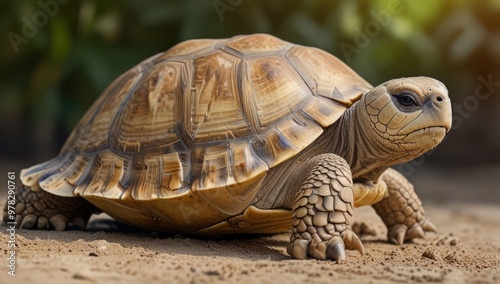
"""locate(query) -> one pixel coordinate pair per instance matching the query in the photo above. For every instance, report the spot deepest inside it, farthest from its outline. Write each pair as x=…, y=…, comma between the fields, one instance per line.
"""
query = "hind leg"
x=38, y=209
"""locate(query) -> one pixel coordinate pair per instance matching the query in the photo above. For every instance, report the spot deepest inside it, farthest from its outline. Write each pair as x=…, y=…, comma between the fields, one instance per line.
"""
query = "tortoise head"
x=410, y=115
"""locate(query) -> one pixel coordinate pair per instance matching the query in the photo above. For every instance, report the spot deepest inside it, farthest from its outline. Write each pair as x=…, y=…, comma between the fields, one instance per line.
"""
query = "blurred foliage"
x=53, y=70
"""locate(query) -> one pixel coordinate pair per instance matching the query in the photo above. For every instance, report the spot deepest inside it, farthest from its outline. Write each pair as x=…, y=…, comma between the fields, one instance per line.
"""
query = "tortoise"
x=250, y=134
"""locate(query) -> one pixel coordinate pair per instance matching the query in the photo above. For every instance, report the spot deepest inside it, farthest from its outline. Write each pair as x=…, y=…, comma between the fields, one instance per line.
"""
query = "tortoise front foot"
x=399, y=233
x=401, y=210
x=37, y=209
x=329, y=246
x=322, y=213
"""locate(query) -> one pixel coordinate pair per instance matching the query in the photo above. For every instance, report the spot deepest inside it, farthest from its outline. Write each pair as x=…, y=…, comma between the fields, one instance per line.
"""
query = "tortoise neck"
x=355, y=142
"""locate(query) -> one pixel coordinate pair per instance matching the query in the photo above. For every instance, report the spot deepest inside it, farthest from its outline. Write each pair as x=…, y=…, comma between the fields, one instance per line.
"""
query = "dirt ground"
x=466, y=249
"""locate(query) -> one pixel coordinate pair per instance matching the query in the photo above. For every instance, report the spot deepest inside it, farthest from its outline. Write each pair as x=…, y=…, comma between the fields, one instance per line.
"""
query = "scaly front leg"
x=322, y=212
x=401, y=209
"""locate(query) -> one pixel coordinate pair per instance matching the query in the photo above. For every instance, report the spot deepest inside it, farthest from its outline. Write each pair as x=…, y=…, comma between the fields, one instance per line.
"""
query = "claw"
x=59, y=222
x=336, y=249
x=79, y=222
x=429, y=227
x=416, y=232
x=397, y=234
x=298, y=249
x=352, y=241
x=318, y=250
x=28, y=221
x=42, y=223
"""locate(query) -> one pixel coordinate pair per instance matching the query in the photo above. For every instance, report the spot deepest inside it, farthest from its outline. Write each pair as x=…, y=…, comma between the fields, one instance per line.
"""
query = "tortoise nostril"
x=439, y=99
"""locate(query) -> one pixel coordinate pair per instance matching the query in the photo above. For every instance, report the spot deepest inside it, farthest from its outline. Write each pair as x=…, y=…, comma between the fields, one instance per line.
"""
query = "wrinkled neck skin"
x=368, y=154
x=352, y=138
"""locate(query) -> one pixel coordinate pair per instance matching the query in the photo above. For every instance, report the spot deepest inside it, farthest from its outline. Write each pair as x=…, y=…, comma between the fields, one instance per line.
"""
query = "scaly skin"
x=322, y=212
x=401, y=209
x=38, y=209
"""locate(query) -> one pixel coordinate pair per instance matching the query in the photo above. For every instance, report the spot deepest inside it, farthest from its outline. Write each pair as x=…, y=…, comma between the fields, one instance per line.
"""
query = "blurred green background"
x=57, y=56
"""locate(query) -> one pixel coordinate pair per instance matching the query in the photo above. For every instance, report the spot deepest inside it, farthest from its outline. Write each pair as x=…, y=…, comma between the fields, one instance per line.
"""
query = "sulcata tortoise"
x=250, y=134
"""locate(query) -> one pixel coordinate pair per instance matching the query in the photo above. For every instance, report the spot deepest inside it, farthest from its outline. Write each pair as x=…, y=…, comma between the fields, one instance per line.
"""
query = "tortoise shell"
x=200, y=125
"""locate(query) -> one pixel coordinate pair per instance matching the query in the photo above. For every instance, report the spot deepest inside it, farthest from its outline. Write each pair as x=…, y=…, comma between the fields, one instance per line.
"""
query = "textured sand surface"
x=466, y=250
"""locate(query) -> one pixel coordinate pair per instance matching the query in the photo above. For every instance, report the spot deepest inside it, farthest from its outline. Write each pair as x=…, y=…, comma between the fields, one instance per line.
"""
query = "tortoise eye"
x=406, y=100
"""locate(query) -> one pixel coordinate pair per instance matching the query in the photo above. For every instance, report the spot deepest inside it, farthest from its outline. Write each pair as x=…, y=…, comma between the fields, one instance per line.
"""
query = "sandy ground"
x=466, y=250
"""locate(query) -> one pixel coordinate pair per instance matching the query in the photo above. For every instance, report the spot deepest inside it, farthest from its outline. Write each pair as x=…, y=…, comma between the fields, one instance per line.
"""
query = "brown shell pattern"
x=205, y=115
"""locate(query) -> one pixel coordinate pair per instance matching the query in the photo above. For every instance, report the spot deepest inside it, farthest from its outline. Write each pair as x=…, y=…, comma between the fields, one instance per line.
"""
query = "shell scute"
x=276, y=90
x=327, y=75
x=187, y=48
x=212, y=105
x=255, y=44
x=151, y=114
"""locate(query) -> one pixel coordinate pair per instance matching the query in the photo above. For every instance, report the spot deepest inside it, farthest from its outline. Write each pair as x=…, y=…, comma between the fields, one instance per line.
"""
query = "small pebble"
x=434, y=255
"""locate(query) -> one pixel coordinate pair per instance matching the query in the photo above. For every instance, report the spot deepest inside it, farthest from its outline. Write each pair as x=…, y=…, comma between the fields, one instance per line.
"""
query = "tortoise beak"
x=438, y=101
